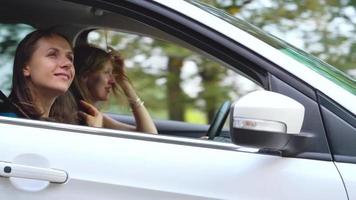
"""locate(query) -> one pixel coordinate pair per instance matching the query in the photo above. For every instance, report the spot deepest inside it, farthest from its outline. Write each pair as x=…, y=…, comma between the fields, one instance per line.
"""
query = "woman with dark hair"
x=98, y=73
x=42, y=74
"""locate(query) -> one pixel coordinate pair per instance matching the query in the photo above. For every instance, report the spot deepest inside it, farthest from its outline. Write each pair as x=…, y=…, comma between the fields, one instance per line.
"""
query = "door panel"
x=347, y=171
x=111, y=167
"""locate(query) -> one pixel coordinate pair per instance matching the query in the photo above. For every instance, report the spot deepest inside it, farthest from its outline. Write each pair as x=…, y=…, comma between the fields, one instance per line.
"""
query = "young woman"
x=98, y=74
x=43, y=71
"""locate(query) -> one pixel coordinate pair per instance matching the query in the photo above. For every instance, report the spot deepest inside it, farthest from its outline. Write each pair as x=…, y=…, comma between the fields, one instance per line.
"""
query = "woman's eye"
x=71, y=58
x=52, y=54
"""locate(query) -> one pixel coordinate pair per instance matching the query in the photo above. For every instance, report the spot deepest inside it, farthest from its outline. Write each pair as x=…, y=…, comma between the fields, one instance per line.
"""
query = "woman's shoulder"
x=8, y=114
x=8, y=110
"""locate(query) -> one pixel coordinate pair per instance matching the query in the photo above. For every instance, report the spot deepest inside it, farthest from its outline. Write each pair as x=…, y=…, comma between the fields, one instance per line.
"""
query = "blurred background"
x=181, y=85
x=324, y=28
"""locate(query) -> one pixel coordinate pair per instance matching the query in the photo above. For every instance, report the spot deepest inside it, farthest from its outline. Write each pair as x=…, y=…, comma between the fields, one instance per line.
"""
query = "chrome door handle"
x=30, y=172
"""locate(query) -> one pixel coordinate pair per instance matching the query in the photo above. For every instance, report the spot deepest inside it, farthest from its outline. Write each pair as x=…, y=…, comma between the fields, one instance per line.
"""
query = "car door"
x=109, y=164
x=341, y=128
x=44, y=160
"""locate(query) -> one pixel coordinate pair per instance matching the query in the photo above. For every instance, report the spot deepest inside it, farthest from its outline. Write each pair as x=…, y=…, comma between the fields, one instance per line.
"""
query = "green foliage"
x=327, y=31
x=195, y=116
x=10, y=36
x=161, y=86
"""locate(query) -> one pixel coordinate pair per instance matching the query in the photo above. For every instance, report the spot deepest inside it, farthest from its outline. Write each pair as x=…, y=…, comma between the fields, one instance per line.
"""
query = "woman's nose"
x=66, y=62
x=111, y=79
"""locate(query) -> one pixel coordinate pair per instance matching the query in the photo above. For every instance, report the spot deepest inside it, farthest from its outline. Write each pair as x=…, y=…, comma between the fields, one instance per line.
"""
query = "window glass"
x=10, y=36
x=308, y=60
x=174, y=82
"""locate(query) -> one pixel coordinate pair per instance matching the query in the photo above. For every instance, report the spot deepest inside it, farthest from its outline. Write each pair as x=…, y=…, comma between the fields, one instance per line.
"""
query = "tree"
x=10, y=36
x=213, y=94
x=323, y=28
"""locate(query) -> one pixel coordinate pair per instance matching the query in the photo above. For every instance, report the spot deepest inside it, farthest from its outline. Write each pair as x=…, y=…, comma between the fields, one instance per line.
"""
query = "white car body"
x=156, y=167
x=112, y=164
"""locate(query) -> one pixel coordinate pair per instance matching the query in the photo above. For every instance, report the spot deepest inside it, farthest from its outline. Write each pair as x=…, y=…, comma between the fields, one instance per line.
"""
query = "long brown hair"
x=64, y=108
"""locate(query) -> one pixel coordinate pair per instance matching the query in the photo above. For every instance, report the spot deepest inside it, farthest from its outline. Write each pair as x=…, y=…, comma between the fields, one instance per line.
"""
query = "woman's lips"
x=63, y=75
x=108, y=89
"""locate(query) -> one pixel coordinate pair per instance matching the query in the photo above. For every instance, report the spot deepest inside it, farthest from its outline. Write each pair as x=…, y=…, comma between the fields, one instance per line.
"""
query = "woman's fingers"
x=115, y=55
x=94, y=121
x=91, y=115
x=118, y=62
x=89, y=109
x=111, y=49
x=83, y=115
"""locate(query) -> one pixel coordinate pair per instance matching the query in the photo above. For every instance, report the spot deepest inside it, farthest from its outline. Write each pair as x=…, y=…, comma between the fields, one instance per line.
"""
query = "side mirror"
x=267, y=121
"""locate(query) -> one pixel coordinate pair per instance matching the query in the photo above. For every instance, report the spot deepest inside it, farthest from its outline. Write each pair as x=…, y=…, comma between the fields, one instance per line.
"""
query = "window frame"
x=245, y=60
x=233, y=54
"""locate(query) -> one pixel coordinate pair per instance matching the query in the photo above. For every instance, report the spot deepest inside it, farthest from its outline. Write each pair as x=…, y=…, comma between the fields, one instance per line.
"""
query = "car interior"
x=76, y=21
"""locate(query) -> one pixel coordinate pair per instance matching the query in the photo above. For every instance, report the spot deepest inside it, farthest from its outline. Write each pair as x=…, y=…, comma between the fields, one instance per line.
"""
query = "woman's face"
x=100, y=83
x=50, y=68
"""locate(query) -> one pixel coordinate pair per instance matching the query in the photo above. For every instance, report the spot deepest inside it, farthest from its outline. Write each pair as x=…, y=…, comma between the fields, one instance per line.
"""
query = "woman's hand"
x=119, y=67
x=91, y=115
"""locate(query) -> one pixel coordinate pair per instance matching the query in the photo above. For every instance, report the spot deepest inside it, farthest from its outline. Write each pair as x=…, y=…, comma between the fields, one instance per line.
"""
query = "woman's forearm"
x=144, y=122
x=108, y=122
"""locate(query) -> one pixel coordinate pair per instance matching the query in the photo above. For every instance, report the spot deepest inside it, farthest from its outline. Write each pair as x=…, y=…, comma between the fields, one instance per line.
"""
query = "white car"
x=294, y=139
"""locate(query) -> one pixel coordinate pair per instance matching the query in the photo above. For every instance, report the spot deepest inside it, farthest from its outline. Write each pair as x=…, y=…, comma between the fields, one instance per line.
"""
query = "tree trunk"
x=175, y=97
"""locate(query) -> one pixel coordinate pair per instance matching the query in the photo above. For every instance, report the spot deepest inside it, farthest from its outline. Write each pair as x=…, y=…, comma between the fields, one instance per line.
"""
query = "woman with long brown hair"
x=98, y=74
x=42, y=74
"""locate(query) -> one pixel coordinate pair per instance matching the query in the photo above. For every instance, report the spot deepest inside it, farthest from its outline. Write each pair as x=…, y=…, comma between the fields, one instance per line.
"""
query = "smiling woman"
x=43, y=72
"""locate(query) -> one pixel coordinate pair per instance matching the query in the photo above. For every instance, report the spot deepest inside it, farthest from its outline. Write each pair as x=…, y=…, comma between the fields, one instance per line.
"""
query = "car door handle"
x=30, y=172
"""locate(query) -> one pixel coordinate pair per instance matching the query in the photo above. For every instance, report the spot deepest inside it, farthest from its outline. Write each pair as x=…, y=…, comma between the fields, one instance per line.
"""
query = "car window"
x=10, y=36
x=325, y=69
x=174, y=82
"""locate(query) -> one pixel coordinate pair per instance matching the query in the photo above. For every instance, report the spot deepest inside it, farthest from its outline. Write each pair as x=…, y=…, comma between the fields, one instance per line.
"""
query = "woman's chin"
x=58, y=91
x=103, y=98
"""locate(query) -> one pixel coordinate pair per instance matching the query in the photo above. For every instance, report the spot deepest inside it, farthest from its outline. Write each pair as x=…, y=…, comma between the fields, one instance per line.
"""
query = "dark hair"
x=64, y=107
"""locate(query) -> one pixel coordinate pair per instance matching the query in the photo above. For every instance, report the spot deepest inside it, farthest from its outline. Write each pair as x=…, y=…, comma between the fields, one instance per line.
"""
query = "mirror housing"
x=267, y=121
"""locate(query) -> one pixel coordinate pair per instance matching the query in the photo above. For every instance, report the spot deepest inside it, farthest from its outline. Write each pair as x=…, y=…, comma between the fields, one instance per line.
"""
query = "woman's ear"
x=26, y=71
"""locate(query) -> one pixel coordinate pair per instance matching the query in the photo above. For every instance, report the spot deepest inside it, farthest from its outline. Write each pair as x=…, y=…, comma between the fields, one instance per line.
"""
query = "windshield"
x=309, y=60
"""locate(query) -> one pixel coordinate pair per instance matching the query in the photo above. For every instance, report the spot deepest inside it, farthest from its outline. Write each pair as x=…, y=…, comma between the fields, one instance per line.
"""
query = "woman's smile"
x=63, y=75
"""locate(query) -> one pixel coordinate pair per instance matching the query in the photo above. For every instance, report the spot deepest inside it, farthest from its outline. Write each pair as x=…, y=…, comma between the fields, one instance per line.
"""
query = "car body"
x=59, y=161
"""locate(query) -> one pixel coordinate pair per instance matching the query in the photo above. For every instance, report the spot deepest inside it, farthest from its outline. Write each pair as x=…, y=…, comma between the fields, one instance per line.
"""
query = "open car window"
x=10, y=36
x=182, y=88
x=174, y=82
